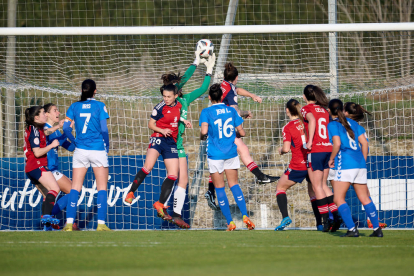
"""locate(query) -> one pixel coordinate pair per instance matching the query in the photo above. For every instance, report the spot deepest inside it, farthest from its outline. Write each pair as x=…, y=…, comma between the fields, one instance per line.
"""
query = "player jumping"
x=230, y=92
x=185, y=100
x=164, y=122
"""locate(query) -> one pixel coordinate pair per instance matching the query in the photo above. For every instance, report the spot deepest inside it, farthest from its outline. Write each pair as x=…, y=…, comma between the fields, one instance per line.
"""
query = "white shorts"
x=57, y=174
x=221, y=165
x=331, y=175
x=85, y=158
x=358, y=176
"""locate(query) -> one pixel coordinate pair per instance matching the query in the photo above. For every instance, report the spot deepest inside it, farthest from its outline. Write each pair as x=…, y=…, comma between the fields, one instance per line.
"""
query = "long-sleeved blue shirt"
x=52, y=155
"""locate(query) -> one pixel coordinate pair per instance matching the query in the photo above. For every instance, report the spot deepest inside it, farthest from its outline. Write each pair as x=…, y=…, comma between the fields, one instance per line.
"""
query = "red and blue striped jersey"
x=167, y=117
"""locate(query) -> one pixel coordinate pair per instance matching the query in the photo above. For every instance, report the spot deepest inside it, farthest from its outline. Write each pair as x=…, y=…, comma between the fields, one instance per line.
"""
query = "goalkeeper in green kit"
x=185, y=100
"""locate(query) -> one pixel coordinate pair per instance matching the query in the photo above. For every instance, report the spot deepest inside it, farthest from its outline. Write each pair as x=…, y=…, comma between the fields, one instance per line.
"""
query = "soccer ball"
x=206, y=47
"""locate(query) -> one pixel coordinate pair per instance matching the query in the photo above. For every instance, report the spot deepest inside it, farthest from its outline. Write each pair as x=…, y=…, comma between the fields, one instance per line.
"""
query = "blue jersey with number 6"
x=88, y=115
x=350, y=155
x=222, y=121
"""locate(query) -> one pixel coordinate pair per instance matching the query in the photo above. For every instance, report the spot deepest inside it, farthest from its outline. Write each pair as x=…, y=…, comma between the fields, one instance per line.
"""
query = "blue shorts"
x=36, y=174
x=166, y=146
x=318, y=161
x=297, y=176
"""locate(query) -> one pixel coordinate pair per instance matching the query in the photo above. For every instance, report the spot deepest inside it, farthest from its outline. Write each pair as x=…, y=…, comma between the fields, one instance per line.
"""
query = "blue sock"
x=60, y=205
x=239, y=198
x=346, y=215
x=372, y=214
x=224, y=204
x=72, y=204
x=102, y=206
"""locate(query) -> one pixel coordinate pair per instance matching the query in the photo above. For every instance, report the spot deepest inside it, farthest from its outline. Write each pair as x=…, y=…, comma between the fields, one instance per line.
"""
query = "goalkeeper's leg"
x=180, y=192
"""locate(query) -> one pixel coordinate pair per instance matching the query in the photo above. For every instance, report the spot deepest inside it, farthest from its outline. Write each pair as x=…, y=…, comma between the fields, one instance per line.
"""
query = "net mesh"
x=374, y=69
x=127, y=70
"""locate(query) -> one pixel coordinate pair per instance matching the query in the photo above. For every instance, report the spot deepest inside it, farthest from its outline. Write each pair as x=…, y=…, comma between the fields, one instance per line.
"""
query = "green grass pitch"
x=205, y=253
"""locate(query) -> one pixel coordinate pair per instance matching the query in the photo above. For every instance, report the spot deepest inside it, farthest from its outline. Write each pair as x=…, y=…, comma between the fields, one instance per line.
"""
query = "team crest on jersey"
x=154, y=112
x=36, y=141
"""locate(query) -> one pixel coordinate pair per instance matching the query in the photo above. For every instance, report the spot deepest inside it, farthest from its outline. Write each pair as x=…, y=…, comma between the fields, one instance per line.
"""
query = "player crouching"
x=218, y=122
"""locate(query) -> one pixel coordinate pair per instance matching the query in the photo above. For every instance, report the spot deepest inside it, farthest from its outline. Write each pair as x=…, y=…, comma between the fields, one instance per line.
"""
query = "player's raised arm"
x=243, y=92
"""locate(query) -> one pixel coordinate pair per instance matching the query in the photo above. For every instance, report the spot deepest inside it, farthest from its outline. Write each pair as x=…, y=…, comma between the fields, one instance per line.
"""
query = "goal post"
x=274, y=62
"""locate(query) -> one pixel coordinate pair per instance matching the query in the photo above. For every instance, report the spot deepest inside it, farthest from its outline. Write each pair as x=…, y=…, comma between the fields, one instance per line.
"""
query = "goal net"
x=373, y=69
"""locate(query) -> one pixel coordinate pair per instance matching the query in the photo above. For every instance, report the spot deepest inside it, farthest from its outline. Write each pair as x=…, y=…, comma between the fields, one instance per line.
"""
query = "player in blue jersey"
x=92, y=146
x=357, y=113
x=348, y=159
x=52, y=133
x=219, y=123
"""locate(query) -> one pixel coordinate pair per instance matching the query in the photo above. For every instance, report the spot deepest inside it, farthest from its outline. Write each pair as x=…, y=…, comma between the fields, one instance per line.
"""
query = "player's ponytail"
x=230, y=72
x=294, y=108
x=88, y=89
x=316, y=94
x=171, y=78
x=355, y=111
x=30, y=114
x=336, y=108
x=215, y=93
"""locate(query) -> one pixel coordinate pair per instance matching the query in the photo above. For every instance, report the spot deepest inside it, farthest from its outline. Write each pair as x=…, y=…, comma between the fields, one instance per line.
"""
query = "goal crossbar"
x=223, y=29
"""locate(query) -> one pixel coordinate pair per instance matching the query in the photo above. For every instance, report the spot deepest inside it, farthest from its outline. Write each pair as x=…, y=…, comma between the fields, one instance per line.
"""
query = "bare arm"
x=364, y=145
x=311, y=127
x=153, y=126
x=241, y=131
x=243, y=114
x=203, y=131
x=245, y=93
x=38, y=152
x=335, y=149
x=51, y=130
x=285, y=148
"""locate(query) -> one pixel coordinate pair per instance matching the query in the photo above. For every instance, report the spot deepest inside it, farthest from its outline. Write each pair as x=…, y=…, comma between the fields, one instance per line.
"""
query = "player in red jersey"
x=294, y=139
x=316, y=114
x=164, y=123
x=230, y=92
x=35, y=151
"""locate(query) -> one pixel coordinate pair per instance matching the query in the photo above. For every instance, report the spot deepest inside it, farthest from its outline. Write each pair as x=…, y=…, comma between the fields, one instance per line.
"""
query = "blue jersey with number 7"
x=87, y=116
x=222, y=121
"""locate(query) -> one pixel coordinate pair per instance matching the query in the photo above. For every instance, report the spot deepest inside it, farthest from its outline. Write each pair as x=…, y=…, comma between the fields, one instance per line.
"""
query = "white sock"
x=352, y=229
x=69, y=220
x=101, y=221
x=179, y=198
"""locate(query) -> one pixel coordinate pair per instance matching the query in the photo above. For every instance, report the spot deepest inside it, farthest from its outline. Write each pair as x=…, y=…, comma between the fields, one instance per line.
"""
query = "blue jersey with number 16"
x=88, y=115
x=222, y=121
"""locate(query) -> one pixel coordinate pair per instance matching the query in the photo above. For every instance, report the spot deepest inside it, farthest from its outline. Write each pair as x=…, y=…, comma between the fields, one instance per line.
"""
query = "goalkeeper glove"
x=197, y=57
x=209, y=63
